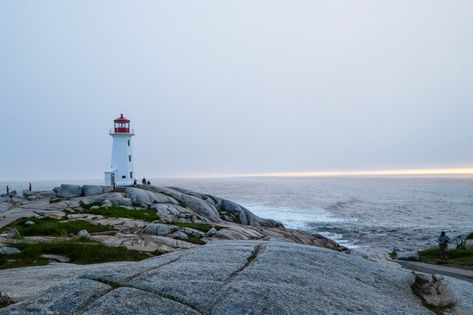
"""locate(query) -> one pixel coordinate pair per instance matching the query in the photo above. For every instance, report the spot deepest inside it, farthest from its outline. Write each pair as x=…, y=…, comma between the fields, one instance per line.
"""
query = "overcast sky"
x=230, y=87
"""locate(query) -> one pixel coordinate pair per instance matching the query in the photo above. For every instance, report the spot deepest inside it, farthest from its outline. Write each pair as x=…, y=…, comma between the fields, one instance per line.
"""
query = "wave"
x=295, y=218
x=342, y=204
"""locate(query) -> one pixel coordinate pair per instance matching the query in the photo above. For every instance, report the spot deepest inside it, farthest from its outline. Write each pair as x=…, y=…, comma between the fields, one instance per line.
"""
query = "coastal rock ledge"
x=228, y=277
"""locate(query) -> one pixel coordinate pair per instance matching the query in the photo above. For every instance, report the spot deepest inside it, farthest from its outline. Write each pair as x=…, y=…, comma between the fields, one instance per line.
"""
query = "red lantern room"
x=122, y=125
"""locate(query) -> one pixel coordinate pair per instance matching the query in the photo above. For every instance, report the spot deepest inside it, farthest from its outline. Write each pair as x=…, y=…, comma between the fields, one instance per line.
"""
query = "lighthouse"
x=121, y=170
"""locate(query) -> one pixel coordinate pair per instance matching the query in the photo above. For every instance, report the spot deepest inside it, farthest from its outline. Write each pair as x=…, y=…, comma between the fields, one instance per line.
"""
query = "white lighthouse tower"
x=121, y=171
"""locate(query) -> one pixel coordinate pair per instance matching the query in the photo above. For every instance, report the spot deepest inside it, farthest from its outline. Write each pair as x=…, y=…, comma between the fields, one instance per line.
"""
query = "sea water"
x=381, y=213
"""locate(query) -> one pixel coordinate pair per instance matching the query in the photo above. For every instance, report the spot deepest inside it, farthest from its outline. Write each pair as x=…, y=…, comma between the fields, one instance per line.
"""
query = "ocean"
x=380, y=213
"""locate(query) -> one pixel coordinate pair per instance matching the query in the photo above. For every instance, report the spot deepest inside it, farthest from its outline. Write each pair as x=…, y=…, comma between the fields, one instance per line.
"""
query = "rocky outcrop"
x=237, y=277
x=434, y=293
x=209, y=207
x=9, y=250
x=69, y=191
x=160, y=229
x=92, y=190
x=147, y=198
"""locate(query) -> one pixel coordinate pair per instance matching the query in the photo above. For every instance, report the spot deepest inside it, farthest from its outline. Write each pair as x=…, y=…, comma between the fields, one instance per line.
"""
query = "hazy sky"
x=225, y=87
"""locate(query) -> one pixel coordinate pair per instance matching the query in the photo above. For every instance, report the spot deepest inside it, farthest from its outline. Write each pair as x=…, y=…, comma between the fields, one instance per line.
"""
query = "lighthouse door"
x=112, y=175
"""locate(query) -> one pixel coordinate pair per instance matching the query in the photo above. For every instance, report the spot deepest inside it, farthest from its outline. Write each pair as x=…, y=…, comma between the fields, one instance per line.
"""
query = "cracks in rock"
x=97, y=296
x=144, y=270
x=174, y=299
x=115, y=285
x=257, y=250
x=254, y=254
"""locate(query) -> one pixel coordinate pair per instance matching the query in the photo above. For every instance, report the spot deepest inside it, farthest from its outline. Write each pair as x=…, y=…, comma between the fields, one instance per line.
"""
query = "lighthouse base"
x=113, y=178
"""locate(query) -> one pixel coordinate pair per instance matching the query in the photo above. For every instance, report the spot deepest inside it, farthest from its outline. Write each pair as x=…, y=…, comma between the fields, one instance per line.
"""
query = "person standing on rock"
x=134, y=182
x=148, y=183
x=8, y=190
x=29, y=187
x=143, y=181
x=443, y=241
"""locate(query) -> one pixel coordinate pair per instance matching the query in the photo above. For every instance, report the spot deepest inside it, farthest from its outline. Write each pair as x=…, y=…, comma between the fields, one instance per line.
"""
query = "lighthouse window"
x=128, y=142
x=123, y=176
x=129, y=158
x=131, y=174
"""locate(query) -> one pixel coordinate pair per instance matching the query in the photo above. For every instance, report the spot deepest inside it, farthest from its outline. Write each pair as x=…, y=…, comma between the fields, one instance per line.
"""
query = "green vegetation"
x=393, y=255
x=54, y=227
x=455, y=256
x=79, y=251
x=120, y=212
x=469, y=236
x=195, y=240
x=203, y=227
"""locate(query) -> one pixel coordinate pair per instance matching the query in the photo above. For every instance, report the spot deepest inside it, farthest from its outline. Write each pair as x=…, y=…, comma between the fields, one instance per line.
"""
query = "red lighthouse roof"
x=121, y=119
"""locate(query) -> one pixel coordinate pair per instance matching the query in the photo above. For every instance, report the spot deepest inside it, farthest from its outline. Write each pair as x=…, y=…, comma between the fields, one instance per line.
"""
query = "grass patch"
x=455, y=256
x=469, y=236
x=203, y=227
x=54, y=227
x=79, y=251
x=120, y=212
x=393, y=255
x=195, y=240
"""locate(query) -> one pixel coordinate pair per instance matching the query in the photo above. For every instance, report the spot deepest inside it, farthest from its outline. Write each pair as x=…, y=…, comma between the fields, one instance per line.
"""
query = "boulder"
x=69, y=191
x=147, y=198
x=13, y=233
x=9, y=251
x=172, y=212
x=57, y=258
x=106, y=203
x=179, y=235
x=5, y=300
x=434, y=292
x=29, y=222
x=201, y=207
x=92, y=190
x=193, y=232
x=212, y=231
x=83, y=234
x=242, y=215
x=160, y=229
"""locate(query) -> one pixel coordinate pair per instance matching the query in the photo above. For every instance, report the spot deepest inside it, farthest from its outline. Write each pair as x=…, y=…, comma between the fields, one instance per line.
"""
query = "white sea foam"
x=295, y=218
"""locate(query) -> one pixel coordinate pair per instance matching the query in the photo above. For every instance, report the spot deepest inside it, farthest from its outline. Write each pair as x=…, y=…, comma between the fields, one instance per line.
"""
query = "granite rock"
x=238, y=277
x=69, y=191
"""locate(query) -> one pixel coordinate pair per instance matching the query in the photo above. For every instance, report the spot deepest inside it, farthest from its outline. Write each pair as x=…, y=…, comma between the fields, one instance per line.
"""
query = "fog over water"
x=230, y=87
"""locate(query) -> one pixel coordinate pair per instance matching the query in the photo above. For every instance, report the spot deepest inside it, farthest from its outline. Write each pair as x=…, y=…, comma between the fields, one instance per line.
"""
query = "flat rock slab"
x=236, y=277
x=69, y=298
x=133, y=301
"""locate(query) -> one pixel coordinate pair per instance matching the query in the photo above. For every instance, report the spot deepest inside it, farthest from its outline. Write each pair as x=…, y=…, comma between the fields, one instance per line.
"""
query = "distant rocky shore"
x=221, y=259
x=173, y=205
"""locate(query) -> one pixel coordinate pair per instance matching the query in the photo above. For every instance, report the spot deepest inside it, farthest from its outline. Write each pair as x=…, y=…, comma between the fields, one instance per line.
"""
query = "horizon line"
x=367, y=173
x=385, y=172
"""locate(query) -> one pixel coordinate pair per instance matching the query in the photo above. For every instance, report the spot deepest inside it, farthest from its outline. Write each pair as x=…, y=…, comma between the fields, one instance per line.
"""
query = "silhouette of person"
x=29, y=187
x=143, y=181
x=148, y=183
x=443, y=241
x=8, y=190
